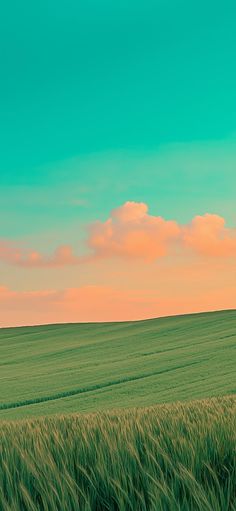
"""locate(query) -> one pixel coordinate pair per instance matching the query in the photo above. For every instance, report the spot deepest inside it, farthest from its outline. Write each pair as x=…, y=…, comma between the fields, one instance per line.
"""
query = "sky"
x=117, y=159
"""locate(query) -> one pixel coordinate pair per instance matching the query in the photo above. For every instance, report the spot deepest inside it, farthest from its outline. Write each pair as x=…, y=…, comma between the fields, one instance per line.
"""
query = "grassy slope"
x=130, y=364
x=177, y=457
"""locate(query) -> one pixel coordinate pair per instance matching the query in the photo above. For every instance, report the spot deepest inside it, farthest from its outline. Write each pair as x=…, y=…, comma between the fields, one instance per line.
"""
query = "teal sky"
x=103, y=103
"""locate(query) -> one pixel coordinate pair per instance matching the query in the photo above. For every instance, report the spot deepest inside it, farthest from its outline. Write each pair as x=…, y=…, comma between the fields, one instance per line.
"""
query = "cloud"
x=131, y=232
x=62, y=256
x=208, y=235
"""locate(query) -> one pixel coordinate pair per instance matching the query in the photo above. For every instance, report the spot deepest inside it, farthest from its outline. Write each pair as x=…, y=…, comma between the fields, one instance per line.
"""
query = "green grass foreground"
x=168, y=457
x=90, y=367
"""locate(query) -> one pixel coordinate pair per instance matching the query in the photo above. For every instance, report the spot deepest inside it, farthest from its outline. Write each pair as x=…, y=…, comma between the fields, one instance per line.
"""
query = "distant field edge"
x=120, y=322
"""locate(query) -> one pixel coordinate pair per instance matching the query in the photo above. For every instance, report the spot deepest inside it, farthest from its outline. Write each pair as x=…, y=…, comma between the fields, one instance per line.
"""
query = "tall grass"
x=168, y=457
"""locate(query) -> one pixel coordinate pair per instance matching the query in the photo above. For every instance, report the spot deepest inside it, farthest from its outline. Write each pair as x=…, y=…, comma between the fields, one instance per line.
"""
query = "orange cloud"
x=209, y=236
x=131, y=232
x=62, y=256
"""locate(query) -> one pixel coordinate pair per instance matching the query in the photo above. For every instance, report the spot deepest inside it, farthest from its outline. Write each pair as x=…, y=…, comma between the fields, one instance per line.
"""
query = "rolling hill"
x=90, y=367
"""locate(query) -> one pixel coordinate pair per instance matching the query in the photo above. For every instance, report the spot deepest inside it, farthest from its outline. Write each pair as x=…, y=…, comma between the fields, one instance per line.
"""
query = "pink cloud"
x=209, y=236
x=62, y=256
x=131, y=232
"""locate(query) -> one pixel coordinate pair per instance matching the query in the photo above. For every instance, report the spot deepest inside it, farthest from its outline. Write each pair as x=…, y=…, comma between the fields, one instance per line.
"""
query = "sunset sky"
x=117, y=159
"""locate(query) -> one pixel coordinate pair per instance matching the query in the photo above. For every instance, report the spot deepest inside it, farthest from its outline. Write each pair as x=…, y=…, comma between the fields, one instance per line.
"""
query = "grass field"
x=90, y=367
x=165, y=458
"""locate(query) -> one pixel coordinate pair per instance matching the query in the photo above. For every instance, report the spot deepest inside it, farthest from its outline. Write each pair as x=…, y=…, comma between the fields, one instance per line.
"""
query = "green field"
x=89, y=367
x=166, y=457
x=178, y=457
